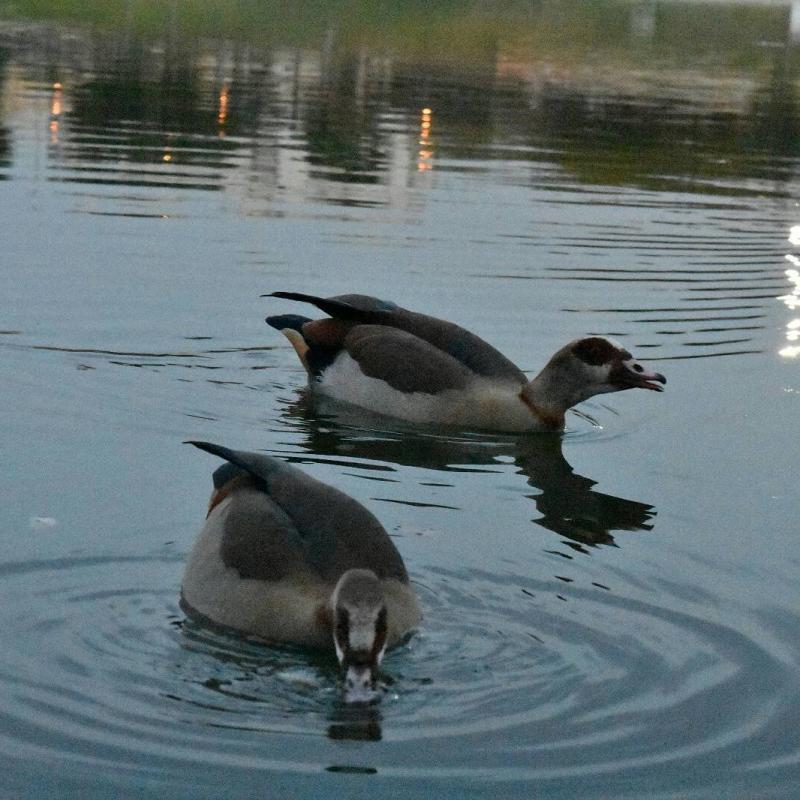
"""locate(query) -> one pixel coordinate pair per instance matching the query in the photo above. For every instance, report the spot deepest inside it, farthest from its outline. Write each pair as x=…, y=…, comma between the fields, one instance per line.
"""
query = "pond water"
x=611, y=613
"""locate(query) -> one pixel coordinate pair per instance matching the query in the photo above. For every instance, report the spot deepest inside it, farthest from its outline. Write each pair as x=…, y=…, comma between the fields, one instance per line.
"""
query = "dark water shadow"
x=567, y=502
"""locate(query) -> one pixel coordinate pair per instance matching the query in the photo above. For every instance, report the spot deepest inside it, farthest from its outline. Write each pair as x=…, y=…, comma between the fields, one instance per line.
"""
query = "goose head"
x=359, y=632
x=586, y=367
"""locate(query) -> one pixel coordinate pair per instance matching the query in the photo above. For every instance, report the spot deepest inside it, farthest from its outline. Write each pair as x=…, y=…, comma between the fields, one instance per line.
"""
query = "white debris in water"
x=43, y=523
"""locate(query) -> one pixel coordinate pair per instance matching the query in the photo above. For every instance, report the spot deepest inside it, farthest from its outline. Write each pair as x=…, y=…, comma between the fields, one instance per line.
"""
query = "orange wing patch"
x=218, y=495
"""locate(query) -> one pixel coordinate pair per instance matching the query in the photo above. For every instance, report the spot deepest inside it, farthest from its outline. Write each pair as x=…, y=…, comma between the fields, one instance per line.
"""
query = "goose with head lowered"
x=377, y=355
x=288, y=559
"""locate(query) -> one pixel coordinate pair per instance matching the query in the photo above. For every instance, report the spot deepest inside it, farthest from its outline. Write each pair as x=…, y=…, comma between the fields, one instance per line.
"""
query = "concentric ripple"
x=583, y=681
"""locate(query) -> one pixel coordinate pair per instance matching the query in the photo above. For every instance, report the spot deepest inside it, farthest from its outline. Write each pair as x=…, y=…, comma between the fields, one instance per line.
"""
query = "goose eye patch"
x=595, y=351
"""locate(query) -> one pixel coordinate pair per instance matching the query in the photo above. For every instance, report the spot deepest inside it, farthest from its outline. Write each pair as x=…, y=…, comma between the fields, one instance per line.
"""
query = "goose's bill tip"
x=360, y=696
x=632, y=375
x=359, y=685
x=650, y=382
x=651, y=379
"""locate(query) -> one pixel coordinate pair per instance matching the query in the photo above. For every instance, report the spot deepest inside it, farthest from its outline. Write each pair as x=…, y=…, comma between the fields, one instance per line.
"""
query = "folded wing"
x=287, y=522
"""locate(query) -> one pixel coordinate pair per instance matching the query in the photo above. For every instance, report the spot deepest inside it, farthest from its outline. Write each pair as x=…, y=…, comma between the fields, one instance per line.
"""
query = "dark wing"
x=404, y=361
x=465, y=347
x=259, y=540
x=334, y=532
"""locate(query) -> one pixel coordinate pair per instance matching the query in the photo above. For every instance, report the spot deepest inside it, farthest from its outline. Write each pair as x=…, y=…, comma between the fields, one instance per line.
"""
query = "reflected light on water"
x=792, y=301
x=55, y=112
x=425, y=153
x=222, y=109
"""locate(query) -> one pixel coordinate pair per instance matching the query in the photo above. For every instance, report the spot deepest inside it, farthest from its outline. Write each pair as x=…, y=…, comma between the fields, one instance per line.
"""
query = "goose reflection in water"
x=356, y=722
x=568, y=503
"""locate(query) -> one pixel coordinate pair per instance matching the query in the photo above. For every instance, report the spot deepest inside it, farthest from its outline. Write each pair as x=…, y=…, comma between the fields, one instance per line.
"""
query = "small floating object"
x=43, y=523
x=379, y=356
x=289, y=559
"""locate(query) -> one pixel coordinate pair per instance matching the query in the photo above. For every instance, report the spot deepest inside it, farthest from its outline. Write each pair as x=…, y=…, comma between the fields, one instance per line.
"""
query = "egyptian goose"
x=288, y=559
x=379, y=356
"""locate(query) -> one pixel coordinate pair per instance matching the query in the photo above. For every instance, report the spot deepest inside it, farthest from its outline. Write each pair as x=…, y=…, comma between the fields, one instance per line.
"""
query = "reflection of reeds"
x=560, y=31
x=555, y=76
x=447, y=30
x=203, y=102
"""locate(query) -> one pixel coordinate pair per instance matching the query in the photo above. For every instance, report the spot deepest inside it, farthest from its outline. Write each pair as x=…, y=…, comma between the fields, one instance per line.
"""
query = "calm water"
x=611, y=613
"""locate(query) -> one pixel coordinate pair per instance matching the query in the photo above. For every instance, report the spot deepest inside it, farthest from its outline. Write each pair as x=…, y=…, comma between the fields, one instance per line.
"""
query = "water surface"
x=611, y=613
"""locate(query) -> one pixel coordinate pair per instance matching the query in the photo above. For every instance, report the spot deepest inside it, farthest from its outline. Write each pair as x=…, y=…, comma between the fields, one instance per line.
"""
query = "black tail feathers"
x=282, y=321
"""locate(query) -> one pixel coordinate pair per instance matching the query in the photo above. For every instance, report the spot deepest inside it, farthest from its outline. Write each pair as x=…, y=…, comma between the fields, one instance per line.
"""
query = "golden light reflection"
x=425, y=153
x=792, y=300
x=167, y=157
x=56, y=107
x=222, y=108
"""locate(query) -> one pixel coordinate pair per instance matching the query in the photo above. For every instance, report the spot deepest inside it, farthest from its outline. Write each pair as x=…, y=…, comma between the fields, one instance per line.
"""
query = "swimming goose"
x=288, y=559
x=380, y=356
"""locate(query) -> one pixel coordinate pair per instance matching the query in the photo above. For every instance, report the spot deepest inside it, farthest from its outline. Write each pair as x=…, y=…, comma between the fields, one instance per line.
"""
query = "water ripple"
x=575, y=673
